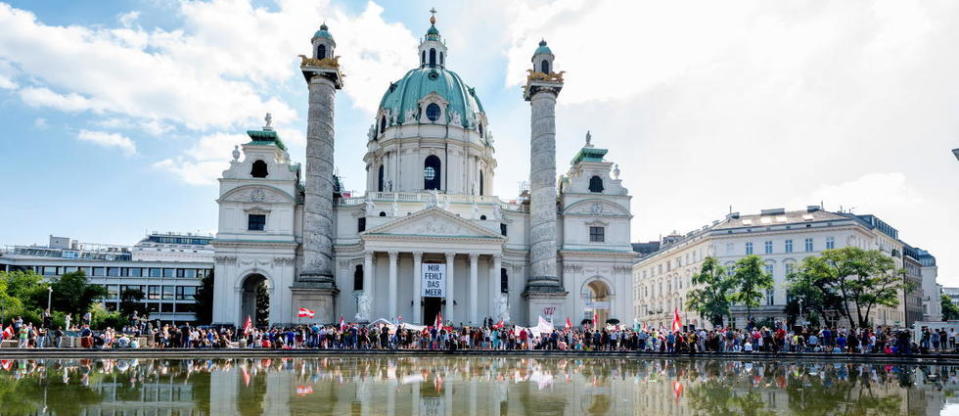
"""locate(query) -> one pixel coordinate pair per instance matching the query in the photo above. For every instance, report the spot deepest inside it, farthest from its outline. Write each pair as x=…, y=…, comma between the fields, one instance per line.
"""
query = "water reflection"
x=468, y=385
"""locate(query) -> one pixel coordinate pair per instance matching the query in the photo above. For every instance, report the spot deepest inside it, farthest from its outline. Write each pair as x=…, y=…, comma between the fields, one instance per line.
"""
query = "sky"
x=118, y=116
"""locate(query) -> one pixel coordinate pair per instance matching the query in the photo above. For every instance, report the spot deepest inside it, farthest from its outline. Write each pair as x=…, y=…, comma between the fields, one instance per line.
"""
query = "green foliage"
x=103, y=319
x=73, y=294
x=950, y=312
x=204, y=300
x=849, y=280
x=130, y=302
x=711, y=300
x=262, y=305
x=750, y=281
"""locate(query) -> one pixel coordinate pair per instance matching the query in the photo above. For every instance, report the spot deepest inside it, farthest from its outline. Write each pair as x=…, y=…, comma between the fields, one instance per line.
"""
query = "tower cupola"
x=543, y=58
x=323, y=43
x=432, y=48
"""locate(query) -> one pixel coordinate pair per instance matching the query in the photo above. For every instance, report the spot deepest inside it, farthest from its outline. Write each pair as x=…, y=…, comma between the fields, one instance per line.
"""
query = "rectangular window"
x=169, y=272
x=153, y=293
x=135, y=272
x=809, y=246
x=185, y=293
x=113, y=292
x=749, y=248
x=49, y=270
x=789, y=246
x=789, y=269
x=155, y=272
x=87, y=271
x=830, y=243
x=168, y=292
x=70, y=269
x=99, y=271
x=186, y=307
x=256, y=222
x=769, y=269
x=166, y=307
x=189, y=273
x=769, y=297
x=502, y=229
x=180, y=273
x=597, y=234
x=113, y=271
x=768, y=247
x=153, y=307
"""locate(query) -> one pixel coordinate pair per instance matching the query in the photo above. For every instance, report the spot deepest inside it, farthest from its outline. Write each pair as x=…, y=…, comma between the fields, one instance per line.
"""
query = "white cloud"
x=43, y=97
x=40, y=123
x=205, y=161
x=106, y=139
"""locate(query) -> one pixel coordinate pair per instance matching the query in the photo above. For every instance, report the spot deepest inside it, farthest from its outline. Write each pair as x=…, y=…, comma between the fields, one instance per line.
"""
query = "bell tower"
x=315, y=287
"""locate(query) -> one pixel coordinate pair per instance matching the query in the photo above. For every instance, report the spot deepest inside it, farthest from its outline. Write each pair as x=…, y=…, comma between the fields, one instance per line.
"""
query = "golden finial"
x=433, y=17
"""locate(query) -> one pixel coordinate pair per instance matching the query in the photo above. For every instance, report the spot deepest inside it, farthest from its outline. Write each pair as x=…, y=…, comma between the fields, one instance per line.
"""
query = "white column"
x=494, y=282
x=368, y=276
x=393, y=259
x=474, y=289
x=450, y=272
x=417, y=287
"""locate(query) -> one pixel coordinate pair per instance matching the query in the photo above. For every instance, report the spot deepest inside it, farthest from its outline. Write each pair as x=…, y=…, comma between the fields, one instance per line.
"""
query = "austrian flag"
x=306, y=313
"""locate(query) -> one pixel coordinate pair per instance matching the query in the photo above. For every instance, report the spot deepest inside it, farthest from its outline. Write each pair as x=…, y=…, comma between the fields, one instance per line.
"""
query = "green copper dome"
x=543, y=49
x=322, y=33
x=405, y=94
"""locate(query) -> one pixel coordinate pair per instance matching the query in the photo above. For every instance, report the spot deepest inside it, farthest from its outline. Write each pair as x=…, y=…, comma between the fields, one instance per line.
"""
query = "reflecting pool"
x=364, y=385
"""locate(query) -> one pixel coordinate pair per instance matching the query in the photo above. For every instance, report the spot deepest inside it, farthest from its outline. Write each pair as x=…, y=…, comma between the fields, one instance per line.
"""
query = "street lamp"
x=49, y=298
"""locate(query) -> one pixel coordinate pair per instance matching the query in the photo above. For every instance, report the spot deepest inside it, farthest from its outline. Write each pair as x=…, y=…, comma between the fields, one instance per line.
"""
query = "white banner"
x=434, y=280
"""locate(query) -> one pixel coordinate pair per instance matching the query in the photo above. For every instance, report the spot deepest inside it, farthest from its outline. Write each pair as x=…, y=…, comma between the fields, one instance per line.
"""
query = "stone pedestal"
x=319, y=299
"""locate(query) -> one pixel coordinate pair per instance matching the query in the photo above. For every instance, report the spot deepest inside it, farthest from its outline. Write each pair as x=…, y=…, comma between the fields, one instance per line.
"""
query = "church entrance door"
x=431, y=307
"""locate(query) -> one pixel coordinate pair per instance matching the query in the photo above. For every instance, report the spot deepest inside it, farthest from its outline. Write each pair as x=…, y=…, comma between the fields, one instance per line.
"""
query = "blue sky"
x=118, y=115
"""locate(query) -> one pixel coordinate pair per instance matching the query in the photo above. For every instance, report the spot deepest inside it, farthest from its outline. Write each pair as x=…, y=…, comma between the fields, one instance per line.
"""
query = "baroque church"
x=430, y=237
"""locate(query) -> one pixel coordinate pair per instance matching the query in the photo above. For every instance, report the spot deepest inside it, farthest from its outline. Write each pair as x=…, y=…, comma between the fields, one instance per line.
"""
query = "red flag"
x=342, y=324
x=595, y=320
x=248, y=325
x=569, y=324
x=498, y=325
x=306, y=313
x=8, y=332
x=438, y=322
x=677, y=323
x=677, y=389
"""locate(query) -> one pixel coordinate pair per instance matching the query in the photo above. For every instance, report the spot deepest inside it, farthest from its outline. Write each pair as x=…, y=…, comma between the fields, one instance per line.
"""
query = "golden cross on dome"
x=433, y=17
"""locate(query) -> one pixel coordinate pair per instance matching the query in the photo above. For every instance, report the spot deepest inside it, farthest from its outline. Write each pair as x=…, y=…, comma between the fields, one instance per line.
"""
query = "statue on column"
x=502, y=307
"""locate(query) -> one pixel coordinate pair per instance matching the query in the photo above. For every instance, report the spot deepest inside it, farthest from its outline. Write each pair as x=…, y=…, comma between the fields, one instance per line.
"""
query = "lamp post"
x=801, y=320
x=49, y=298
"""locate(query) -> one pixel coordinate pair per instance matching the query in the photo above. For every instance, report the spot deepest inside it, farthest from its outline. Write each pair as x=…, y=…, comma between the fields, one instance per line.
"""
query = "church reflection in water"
x=468, y=385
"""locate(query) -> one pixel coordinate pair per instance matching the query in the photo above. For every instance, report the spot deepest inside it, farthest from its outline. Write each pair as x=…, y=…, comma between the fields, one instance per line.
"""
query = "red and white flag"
x=306, y=313
x=498, y=325
x=8, y=332
x=438, y=323
x=342, y=324
x=304, y=390
x=595, y=320
x=247, y=325
x=569, y=324
x=677, y=322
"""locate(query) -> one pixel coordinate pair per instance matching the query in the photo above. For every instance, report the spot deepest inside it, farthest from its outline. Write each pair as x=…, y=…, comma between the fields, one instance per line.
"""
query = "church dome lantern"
x=323, y=43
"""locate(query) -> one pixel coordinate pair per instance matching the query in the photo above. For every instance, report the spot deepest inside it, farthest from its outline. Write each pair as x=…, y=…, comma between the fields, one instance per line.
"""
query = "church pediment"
x=596, y=207
x=257, y=194
x=432, y=222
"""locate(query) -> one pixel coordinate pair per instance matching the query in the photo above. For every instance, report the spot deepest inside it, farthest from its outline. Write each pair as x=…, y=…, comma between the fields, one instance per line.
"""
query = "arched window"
x=544, y=67
x=259, y=169
x=382, y=124
x=358, y=277
x=321, y=52
x=432, y=57
x=431, y=173
x=361, y=224
x=503, y=281
x=433, y=112
x=379, y=180
x=382, y=213
x=480, y=127
x=596, y=184
x=482, y=218
x=481, y=183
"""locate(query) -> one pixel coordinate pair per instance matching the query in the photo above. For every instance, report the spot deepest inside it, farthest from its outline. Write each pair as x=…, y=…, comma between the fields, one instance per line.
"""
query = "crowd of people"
x=383, y=336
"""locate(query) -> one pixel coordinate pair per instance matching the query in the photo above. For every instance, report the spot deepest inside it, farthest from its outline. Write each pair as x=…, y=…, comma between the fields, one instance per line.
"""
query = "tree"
x=861, y=279
x=950, y=312
x=820, y=305
x=750, y=282
x=204, y=300
x=130, y=303
x=711, y=300
x=262, y=305
x=73, y=294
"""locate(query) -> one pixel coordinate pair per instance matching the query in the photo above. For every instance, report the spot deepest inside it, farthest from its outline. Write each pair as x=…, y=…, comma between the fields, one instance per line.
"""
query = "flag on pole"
x=247, y=325
x=438, y=322
x=306, y=313
x=595, y=319
x=342, y=324
x=498, y=325
x=677, y=323
x=569, y=324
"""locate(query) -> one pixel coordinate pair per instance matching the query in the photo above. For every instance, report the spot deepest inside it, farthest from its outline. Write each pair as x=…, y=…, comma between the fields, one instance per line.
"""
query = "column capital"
x=450, y=255
x=418, y=255
x=474, y=257
x=393, y=253
x=368, y=254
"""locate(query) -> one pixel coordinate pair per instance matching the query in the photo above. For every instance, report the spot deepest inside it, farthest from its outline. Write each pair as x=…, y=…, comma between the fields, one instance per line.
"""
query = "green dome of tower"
x=404, y=95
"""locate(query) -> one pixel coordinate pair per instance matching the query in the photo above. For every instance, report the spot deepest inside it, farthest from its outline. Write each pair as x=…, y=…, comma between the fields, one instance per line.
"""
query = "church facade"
x=430, y=237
